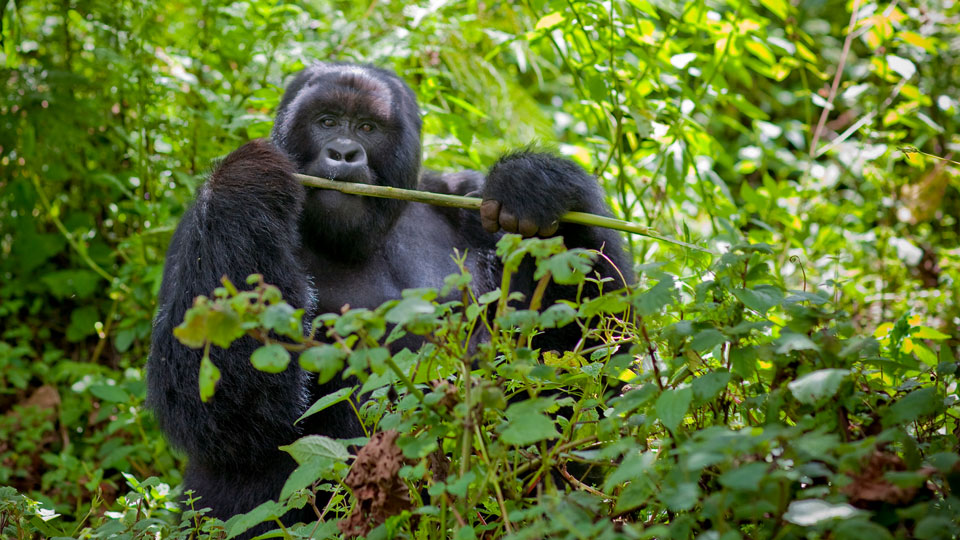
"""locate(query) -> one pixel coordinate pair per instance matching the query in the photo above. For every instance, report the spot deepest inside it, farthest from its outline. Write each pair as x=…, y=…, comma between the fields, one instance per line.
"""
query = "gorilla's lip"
x=353, y=177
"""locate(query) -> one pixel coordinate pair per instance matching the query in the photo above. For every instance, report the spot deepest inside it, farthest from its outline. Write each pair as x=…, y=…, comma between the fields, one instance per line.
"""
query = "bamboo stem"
x=473, y=203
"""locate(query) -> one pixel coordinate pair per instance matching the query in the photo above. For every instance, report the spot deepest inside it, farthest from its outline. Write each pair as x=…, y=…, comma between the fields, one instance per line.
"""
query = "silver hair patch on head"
x=356, y=89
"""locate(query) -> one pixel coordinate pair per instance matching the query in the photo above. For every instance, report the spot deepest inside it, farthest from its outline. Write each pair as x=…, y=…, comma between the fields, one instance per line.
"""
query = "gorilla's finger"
x=527, y=227
x=550, y=229
x=490, y=215
x=508, y=221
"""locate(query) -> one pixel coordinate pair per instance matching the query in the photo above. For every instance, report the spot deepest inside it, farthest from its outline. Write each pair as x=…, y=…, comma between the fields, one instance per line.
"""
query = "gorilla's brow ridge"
x=351, y=88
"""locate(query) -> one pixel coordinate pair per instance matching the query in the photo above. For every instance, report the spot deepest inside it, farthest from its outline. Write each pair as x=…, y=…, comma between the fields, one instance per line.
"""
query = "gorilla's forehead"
x=354, y=89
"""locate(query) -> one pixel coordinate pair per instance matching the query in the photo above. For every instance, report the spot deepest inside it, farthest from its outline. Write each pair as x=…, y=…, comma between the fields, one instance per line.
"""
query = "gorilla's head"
x=354, y=124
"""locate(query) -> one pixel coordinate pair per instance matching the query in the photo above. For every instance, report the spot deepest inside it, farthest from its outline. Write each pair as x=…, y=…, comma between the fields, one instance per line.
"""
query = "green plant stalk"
x=473, y=203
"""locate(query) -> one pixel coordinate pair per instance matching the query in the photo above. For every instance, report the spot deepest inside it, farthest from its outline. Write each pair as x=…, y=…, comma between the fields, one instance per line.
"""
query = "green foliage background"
x=815, y=143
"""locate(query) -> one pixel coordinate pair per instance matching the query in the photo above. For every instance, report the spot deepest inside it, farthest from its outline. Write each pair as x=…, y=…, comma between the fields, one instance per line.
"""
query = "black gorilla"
x=325, y=249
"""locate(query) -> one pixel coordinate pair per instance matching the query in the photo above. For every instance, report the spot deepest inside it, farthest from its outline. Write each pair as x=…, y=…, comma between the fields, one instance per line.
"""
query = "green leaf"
x=760, y=298
x=681, y=497
x=408, y=309
x=744, y=361
x=922, y=402
x=83, y=322
x=656, y=298
x=313, y=446
x=568, y=267
x=268, y=511
x=707, y=386
x=108, y=392
x=270, y=358
x=925, y=332
x=791, y=341
x=306, y=474
x=746, y=477
x=635, y=466
x=557, y=316
x=283, y=319
x=327, y=401
x=192, y=332
x=706, y=340
x=672, y=406
x=209, y=376
x=529, y=429
x=818, y=385
x=526, y=423
x=223, y=327
x=65, y=283
x=326, y=360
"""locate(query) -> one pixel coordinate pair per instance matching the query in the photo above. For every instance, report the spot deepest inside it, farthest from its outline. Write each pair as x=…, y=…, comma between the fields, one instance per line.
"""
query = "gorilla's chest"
x=417, y=253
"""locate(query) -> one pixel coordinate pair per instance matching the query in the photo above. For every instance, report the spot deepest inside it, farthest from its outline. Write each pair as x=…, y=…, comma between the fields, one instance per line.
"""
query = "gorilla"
x=325, y=249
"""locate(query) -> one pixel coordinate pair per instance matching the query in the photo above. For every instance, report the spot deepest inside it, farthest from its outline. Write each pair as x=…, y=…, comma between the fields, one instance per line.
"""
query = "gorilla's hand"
x=258, y=175
x=527, y=193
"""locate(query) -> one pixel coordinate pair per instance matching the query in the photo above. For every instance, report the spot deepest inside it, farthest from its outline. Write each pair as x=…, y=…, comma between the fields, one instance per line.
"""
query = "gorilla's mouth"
x=357, y=175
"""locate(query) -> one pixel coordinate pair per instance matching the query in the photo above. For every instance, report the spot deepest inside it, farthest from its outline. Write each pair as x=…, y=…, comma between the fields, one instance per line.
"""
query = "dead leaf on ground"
x=373, y=478
x=870, y=485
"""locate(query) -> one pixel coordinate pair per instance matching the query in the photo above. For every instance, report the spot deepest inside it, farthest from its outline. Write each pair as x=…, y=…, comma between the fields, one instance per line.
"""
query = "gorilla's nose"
x=344, y=154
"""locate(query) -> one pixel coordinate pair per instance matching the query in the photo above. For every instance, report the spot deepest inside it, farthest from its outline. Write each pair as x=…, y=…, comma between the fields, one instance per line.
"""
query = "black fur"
x=325, y=249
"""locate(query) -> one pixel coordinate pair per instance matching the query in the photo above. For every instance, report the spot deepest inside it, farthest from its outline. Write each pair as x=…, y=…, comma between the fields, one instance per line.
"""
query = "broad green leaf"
x=680, y=497
x=326, y=360
x=306, y=474
x=706, y=340
x=408, y=309
x=791, y=341
x=192, y=332
x=283, y=319
x=709, y=385
x=528, y=429
x=209, y=375
x=327, y=401
x=109, y=392
x=672, y=406
x=817, y=385
x=656, y=298
x=223, y=327
x=271, y=358
x=760, y=298
x=922, y=402
x=557, y=316
x=310, y=447
x=746, y=477
x=568, y=267
x=634, y=466
x=925, y=332
x=268, y=511
x=526, y=423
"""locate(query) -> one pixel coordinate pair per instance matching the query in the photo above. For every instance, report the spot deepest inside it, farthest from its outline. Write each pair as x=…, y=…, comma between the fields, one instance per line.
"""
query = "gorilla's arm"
x=244, y=221
x=527, y=192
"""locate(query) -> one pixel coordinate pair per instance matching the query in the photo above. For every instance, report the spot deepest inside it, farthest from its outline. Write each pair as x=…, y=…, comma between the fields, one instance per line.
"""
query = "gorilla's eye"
x=366, y=126
x=328, y=122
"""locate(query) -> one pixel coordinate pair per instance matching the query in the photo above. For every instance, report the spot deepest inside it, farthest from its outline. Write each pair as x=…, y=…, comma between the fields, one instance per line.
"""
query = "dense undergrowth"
x=801, y=382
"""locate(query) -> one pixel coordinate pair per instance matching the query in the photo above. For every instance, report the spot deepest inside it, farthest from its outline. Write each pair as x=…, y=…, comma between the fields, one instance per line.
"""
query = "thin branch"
x=473, y=203
x=836, y=78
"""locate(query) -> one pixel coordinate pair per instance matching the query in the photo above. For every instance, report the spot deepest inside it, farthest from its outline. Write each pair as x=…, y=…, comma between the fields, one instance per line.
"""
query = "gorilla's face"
x=354, y=124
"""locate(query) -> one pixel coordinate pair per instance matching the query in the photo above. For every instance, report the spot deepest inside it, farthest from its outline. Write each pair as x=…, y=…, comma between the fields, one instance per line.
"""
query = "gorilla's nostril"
x=345, y=152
